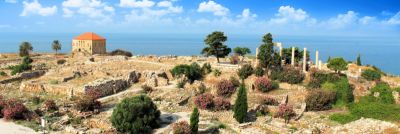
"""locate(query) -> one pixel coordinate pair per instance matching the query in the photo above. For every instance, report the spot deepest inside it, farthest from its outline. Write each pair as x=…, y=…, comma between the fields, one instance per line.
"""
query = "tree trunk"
x=217, y=59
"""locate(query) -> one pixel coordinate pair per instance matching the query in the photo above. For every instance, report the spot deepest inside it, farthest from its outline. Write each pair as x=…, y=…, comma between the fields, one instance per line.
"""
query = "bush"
x=275, y=85
x=61, y=61
x=292, y=75
x=206, y=68
x=13, y=109
x=268, y=100
x=337, y=64
x=259, y=71
x=371, y=75
x=376, y=110
x=317, y=78
x=385, y=93
x=241, y=105
x=135, y=115
x=343, y=118
x=36, y=100
x=245, y=71
x=192, y=72
x=225, y=88
x=216, y=72
x=221, y=104
x=147, y=89
x=121, y=52
x=234, y=81
x=181, y=84
x=318, y=100
x=181, y=127
x=204, y=101
x=88, y=101
x=344, y=92
x=286, y=112
x=263, y=84
x=2, y=73
x=25, y=65
x=50, y=105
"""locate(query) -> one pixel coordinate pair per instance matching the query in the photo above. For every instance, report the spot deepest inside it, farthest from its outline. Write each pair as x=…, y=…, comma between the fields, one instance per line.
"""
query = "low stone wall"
x=25, y=75
x=107, y=86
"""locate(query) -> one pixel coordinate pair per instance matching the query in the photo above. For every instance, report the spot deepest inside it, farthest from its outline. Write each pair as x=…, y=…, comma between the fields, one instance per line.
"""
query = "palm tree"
x=24, y=49
x=56, y=46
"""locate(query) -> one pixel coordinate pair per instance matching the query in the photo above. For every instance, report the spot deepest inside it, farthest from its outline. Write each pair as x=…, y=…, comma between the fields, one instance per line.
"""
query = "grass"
x=343, y=118
x=30, y=124
x=376, y=110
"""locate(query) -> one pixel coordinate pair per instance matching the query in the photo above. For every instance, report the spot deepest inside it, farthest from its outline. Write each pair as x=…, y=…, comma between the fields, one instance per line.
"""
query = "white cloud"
x=135, y=3
x=288, y=14
x=367, y=20
x=10, y=1
x=395, y=20
x=164, y=4
x=165, y=8
x=94, y=9
x=35, y=8
x=215, y=8
x=246, y=14
x=343, y=20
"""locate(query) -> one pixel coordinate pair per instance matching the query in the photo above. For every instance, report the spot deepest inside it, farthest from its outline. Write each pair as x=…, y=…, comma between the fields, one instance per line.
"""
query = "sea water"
x=382, y=52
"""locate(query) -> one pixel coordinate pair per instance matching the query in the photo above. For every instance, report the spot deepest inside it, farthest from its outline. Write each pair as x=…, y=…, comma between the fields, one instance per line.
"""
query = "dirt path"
x=12, y=128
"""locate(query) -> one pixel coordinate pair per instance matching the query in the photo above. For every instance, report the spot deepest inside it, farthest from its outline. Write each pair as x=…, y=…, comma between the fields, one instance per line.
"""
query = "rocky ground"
x=126, y=75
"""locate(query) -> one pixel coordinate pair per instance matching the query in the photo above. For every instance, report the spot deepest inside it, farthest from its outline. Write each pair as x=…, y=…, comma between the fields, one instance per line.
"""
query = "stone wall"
x=107, y=86
x=25, y=75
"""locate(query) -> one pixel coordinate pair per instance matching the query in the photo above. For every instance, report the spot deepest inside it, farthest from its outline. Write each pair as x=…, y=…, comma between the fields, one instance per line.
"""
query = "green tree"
x=240, y=107
x=358, y=62
x=329, y=59
x=371, y=75
x=135, y=115
x=56, y=46
x=216, y=47
x=267, y=55
x=338, y=64
x=24, y=49
x=194, y=120
x=242, y=51
x=245, y=71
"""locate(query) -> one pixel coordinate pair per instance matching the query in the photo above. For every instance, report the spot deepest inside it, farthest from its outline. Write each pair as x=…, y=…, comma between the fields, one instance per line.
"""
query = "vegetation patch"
x=371, y=75
x=192, y=72
x=343, y=118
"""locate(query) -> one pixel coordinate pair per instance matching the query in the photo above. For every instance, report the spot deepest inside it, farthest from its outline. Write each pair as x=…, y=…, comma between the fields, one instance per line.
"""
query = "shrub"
x=88, y=101
x=317, y=100
x=221, y=104
x=385, y=93
x=344, y=92
x=194, y=121
x=135, y=115
x=36, y=100
x=371, y=75
x=206, y=68
x=50, y=105
x=225, y=88
x=245, y=71
x=204, y=101
x=317, y=78
x=181, y=84
x=25, y=65
x=263, y=84
x=192, y=72
x=286, y=112
x=292, y=75
x=234, y=81
x=376, y=110
x=61, y=61
x=240, y=107
x=275, y=85
x=259, y=71
x=216, y=72
x=13, y=109
x=343, y=118
x=181, y=127
x=2, y=73
x=121, y=52
x=268, y=100
x=147, y=89
x=337, y=64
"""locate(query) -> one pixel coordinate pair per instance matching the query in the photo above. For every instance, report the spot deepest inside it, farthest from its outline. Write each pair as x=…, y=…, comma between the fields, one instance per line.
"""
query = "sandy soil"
x=12, y=128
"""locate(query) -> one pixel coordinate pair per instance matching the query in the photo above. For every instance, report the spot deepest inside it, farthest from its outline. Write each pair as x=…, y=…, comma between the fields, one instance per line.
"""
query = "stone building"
x=89, y=43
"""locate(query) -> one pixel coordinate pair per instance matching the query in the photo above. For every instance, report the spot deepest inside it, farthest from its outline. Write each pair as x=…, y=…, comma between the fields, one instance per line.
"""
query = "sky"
x=288, y=17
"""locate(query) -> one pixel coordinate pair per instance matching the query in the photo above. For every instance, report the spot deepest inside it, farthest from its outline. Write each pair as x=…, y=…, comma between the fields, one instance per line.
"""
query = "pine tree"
x=215, y=45
x=329, y=59
x=266, y=51
x=358, y=62
x=240, y=107
x=194, y=120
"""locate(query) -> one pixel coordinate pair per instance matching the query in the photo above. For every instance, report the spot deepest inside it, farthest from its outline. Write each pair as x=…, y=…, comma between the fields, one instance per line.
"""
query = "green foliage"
x=240, y=107
x=54, y=82
x=194, y=120
x=288, y=74
x=25, y=65
x=121, y=52
x=56, y=46
x=376, y=110
x=259, y=71
x=234, y=81
x=192, y=72
x=245, y=71
x=2, y=73
x=241, y=50
x=317, y=78
x=318, y=100
x=206, y=68
x=371, y=75
x=181, y=84
x=298, y=55
x=61, y=61
x=337, y=64
x=216, y=72
x=267, y=56
x=344, y=92
x=135, y=115
x=385, y=93
x=24, y=49
x=358, y=62
x=343, y=118
x=215, y=45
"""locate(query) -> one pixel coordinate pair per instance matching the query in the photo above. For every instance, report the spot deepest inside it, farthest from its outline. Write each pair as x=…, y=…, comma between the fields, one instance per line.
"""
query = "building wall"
x=89, y=46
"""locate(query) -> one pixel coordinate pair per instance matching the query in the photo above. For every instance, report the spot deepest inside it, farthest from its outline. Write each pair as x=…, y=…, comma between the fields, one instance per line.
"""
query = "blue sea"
x=383, y=52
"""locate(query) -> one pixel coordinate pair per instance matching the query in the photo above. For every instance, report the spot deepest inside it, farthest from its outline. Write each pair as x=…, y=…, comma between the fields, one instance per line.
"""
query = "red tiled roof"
x=89, y=36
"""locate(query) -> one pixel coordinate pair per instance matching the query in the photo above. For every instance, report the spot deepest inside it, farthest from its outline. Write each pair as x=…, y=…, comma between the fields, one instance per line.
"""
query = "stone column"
x=305, y=60
x=292, y=57
x=316, y=58
x=257, y=51
x=320, y=64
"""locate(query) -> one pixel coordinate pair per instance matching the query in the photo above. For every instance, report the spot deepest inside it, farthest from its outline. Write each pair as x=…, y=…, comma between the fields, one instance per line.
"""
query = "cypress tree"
x=358, y=62
x=240, y=107
x=194, y=120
